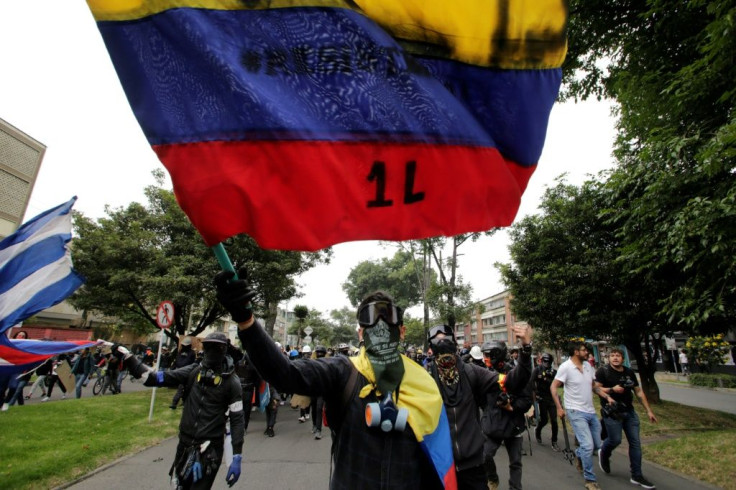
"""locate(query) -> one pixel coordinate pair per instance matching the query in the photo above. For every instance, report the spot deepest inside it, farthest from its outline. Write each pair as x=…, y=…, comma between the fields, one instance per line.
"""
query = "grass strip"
x=47, y=444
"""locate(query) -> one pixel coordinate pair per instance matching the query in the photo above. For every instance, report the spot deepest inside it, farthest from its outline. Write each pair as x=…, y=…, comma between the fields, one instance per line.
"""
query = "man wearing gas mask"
x=465, y=388
x=619, y=383
x=380, y=405
x=542, y=377
x=213, y=391
x=503, y=420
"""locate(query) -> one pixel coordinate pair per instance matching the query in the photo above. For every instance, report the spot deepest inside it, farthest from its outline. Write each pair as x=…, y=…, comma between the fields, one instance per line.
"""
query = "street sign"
x=670, y=343
x=308, y=330
x=165, y=314
x=307, y=339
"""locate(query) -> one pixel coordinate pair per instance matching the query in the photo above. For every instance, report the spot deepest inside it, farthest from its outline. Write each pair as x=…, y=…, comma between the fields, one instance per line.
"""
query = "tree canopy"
x=137, y=256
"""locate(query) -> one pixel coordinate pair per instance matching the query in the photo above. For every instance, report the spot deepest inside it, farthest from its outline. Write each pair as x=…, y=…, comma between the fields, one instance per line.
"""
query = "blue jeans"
x=587, y=429
x=80, y=379
x=629, y=424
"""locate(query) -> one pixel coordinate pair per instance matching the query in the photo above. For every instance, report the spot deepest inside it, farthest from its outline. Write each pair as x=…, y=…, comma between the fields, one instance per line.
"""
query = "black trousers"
x=472, y=478
x=317, y=403
x=513, y=448
x=547, y=412
x=247, y=404
x=210, y=462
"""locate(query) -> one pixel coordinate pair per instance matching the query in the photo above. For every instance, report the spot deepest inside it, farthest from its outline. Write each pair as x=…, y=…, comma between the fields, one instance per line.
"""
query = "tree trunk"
x=272, y=310
x=647, y=367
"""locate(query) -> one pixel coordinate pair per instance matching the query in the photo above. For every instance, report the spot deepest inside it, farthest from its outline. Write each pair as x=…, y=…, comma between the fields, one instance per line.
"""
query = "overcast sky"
x=58, y=86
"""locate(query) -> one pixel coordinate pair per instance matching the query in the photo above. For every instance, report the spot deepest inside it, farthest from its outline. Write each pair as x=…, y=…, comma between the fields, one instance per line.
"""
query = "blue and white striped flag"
x=36, y=267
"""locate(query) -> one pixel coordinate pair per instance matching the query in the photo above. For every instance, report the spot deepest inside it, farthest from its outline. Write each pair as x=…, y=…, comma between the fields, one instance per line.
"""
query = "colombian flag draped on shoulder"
x=306, y=123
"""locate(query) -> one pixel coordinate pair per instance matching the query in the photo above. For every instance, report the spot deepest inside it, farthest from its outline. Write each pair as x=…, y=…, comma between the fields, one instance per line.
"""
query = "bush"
x=713, y=380
x=708, y=351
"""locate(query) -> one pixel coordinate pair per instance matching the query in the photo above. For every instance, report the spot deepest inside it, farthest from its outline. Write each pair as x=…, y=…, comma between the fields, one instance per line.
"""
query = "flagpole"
x=158, y=368
x=223, y=258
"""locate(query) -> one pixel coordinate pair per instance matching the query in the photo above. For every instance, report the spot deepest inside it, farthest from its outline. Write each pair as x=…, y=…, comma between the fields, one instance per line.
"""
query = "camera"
x=610, y=410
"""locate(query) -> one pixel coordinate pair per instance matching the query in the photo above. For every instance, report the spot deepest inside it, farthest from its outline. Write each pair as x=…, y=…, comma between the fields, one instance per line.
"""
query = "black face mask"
x=214, y=355
x=443, y=346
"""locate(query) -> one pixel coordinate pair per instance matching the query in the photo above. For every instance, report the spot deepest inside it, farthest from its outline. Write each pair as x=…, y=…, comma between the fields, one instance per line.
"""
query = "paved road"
x=725, y=401
x=294, y=460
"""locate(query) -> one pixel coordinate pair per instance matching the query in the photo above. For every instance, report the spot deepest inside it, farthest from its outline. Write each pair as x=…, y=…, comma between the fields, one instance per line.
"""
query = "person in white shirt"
x=578, y=378
x=683, y=362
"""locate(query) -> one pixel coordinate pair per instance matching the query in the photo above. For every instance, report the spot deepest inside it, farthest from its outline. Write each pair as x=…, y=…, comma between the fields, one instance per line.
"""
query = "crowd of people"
x=377, y=403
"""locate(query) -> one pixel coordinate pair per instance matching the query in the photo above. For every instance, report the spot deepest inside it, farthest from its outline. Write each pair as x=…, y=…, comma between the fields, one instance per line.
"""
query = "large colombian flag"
x=306, y=123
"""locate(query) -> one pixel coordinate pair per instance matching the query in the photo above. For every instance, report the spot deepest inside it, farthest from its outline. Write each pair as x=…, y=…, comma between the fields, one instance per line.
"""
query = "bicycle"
x=102, y=384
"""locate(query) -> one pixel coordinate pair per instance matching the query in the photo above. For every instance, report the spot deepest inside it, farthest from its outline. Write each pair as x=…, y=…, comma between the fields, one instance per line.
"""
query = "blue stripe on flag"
x=35, y=266
x=33, y=258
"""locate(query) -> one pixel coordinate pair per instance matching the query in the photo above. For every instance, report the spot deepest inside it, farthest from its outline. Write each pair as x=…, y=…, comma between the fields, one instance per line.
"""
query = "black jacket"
x=364, y=457
x=463, y=411
x=541, y=382
x=498, y=423
x=204, y=417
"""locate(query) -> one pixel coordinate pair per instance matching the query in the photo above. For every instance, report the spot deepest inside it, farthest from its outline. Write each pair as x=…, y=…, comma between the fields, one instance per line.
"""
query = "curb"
x=110, y=465
x=681, y=475
x=695, y=387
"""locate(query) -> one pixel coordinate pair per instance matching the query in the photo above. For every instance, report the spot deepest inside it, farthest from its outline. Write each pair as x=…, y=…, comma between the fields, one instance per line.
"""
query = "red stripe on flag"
x=322, y=193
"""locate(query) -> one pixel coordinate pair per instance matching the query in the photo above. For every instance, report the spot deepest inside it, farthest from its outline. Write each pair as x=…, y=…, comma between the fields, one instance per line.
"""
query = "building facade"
x=492, y=320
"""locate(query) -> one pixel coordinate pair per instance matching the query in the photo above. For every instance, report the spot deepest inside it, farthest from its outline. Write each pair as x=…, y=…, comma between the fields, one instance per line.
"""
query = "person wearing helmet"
x=376, y=401
x=306, y=352
x=213, y=391
x=513, y=357
x=542, y=377
x=495, y=355
x=476, y=356
x=185, y=357
x=343, y=349
x=504, y=416
x=465, y=388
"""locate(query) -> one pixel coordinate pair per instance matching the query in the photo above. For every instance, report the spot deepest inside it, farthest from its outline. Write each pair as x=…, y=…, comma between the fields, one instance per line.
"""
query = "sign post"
x=164, y=319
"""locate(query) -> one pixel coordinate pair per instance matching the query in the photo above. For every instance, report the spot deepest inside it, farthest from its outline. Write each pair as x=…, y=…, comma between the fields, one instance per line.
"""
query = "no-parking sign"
x=165, y=314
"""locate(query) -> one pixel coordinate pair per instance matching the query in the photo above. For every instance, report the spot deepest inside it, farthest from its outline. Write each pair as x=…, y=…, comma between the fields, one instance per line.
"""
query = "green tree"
x=343, y=326
x=415, y=332
x=669, y=66
x=395, y=275
x=138, y=256
x=567, y=281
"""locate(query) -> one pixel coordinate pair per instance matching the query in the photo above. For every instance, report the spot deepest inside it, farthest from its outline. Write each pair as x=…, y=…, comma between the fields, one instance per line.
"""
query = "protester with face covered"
x=542, y=377
x=213, y=391
x=465, y=388
x=503, y=420
x=381, y=406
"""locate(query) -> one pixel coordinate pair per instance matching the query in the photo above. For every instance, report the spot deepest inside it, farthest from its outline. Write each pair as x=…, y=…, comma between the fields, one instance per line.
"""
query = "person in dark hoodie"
x=379, y=404
x=214, y=391
x=465, y=388
x=185, y=357
x=503, y=420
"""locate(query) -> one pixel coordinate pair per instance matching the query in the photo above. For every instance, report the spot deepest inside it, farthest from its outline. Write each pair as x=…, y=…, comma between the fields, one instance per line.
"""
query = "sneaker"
x=592, y=485
x=604, y=463
x=642, y=482
x=27, y=397
x=5, y=407
x=269, y=432
x=318, y=435
x=45, y=399
x=173, y=407
x=539, y=439
x=306, y=416
x=555, y=447
x=579, y=465
x=302, y=419
x=314, y=429
x=63, y=396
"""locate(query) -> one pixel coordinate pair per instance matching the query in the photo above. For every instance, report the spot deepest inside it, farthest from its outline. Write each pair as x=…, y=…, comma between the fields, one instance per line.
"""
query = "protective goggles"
x=440, y=329
x=370, y=313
